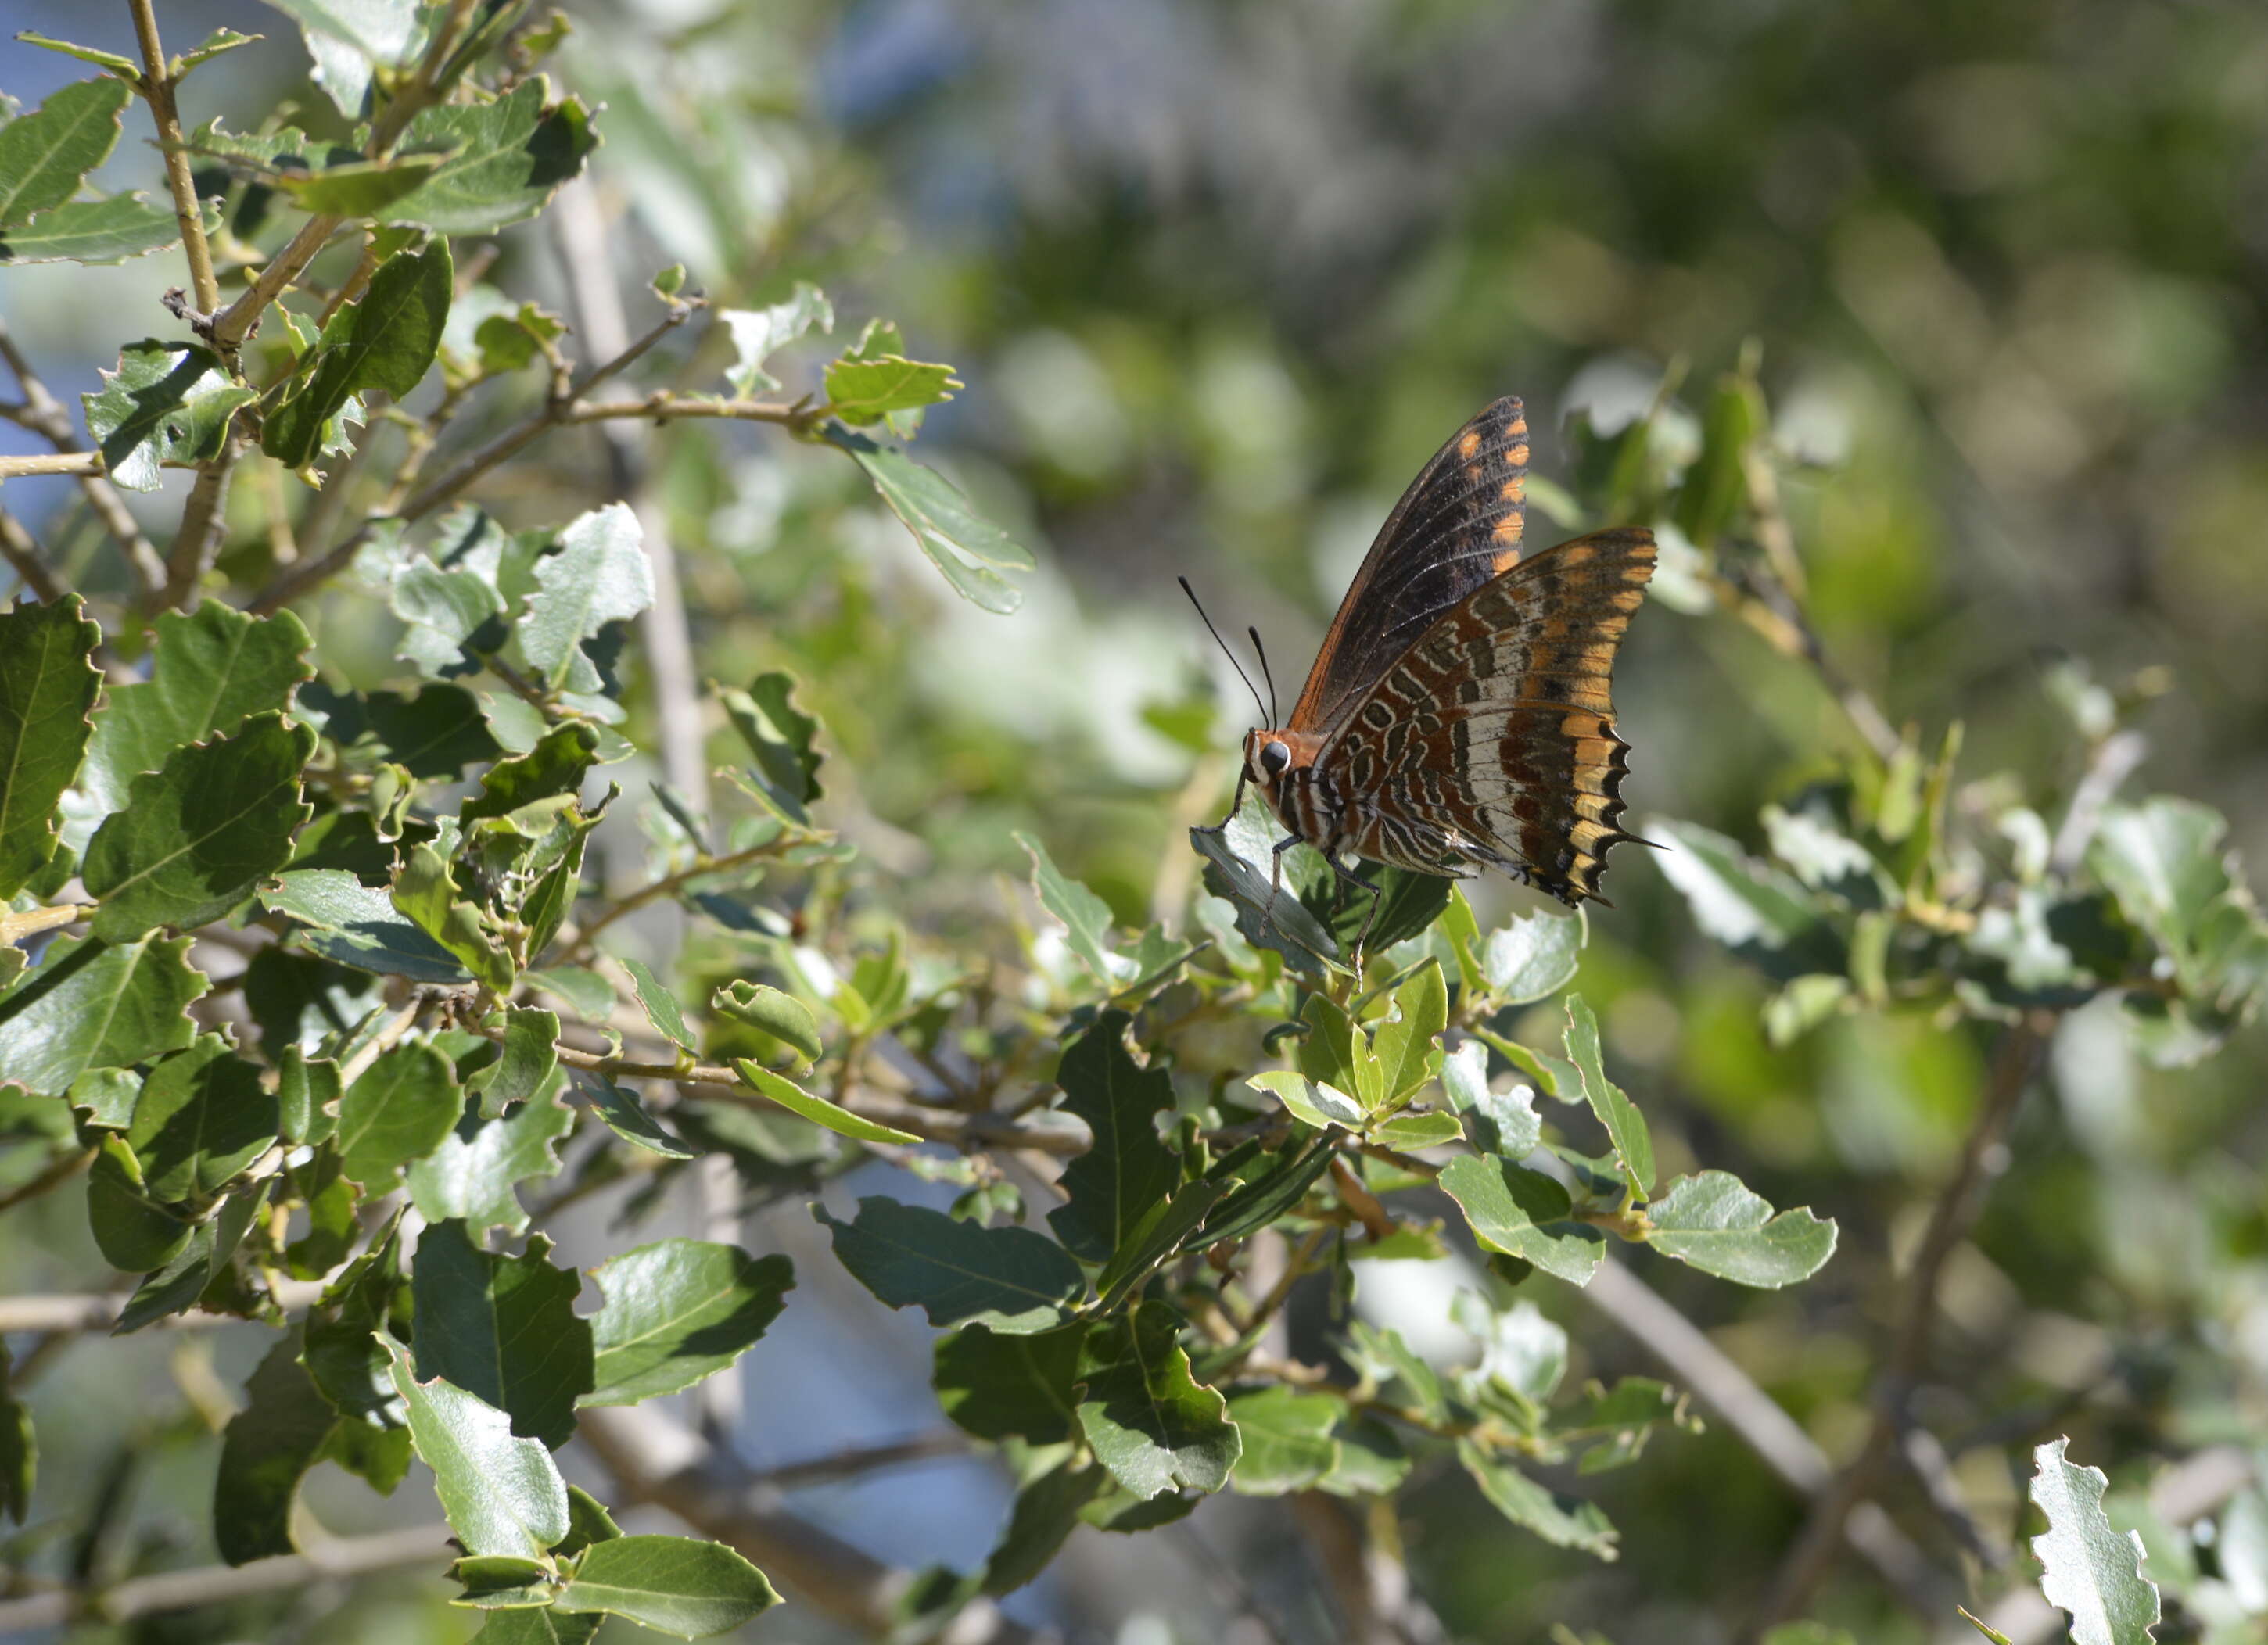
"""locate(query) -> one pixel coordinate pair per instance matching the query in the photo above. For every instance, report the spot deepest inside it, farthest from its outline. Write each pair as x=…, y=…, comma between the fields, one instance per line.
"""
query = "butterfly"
x=1458, y=716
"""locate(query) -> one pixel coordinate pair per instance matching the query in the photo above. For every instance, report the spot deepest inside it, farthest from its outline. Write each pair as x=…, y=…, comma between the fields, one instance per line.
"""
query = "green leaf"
x=660, y=1005
x=265, y=1452
x=1507, y=1125
x=1009, y=1279
x=1830, y=1636
x=524, y=1067
x=1371, y=1461
x=92, y=1004
x=197, y=835
x=397, y=1112
x=676, y=1585
x=1310, y=1101
x=1383, y=1357
x=555, y=765
x=2091, y=1572
x=864, y=388
x=789, y=1095
x=1564, y=1522
x=1270, y=1193
x=347, y=38
x=1406, y=1047
x=358, y=188
x=782, y=1016
x=545, y=1626
x=780, y=736
x=473, y=1177
x=210, y=671
x=48, y=682
x=2161, y=863
x=600, y=574
x=19, y=1448
x=1524, y=1214
x=92, y=232
x=1167, y=1226
x=1620, y=1420
x=1715, y=1223
x=167, y=404
x=202, y=1117
x=1533, y=957
x=502, y=1495
x=1046, y=1513
x=503, y=1329
x=587, y=1521
x=1149, y=1420
x=189, y=1274
x=384, y=344
x=1129, y=1169
x=1753, y=908
x=426, y=891
x=759, y=332
x=435, y=733
x=134, y=1233
x=45, y=154
x=126, y=67
x=1626, y=1125
x=106, y=1096
x=1287, y=1444
x=505, y=159
x=1416, y=1130
x=357, y=925
x=623, y=1113
x=218, y=43
x=960, y=543
x=1085, y=916
x=306, y=1097
x=1240, y=860
x=1000, y=1385
x=1408, y=902
x=678, y=1311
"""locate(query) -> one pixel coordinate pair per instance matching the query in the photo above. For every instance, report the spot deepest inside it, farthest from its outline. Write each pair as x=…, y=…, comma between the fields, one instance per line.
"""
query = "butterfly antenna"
x=1261, y=652
x=1225, y=651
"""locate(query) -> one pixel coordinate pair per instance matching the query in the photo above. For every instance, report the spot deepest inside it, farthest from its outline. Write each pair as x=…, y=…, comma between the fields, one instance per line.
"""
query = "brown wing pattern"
x=1458, y=525
x=1492, y=739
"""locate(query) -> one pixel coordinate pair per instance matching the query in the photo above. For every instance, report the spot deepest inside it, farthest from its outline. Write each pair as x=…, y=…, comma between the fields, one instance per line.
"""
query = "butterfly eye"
x=1273, y=758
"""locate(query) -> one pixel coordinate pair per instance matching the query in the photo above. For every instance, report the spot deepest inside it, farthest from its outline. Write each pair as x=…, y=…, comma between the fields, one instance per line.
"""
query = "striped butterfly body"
x=1458, y=716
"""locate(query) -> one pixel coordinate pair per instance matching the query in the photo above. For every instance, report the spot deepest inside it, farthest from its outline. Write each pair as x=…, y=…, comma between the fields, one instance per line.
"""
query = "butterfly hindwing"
x=1457, y=527
x=1492, y=739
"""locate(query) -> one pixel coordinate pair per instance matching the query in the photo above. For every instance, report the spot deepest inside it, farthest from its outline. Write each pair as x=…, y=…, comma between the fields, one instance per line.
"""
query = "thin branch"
x=667, y=885
x=335, y=1560
x=62, y=1169
x=24, y=468
x=2111, y=763
x=1982, y=1158
x=99, y=1310
x=45, y=415
x=857, y=1460
x=155, y=86
x=656, y=1460
x=21, y=550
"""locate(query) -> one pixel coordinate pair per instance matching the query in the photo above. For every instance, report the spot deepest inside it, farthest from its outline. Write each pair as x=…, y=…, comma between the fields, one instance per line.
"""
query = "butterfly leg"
x=1235, y=805
x=1377, y=895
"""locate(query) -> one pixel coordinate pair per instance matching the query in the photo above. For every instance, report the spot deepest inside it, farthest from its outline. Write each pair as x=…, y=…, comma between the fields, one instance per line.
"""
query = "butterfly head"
x=1271, y=756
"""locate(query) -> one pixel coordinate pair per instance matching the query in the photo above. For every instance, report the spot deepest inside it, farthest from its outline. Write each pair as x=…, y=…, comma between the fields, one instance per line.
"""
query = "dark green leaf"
x=44, y=154
x=524, y=1067
x=1240, y=862
x=1524, y=1214
x=92, y=1004
x=504, y=159
x=1085, y=916
x=197, y=835
x=134, y=1233
x=436, y=733
x=210, y=671
x=1626, y=1125
x=1046, y=1513
x=678, y=1311
x=1129, y=1169
x=397, y=1112
x=299, y=1001
x=1564, y=1522
x=1166, y=1227
x=587, y=1521
x=600, y=574
x=1715, y=1223
x=383, y=344
x=188, y=1278
x=426, y=891
x=167, y=404
x=1010, y=1279
x=789, y=1095
x=960, y=543
x=999, y=1386
x=473, y=1177
x=19, y=1449
x=92, y=232
x=1270, y=1193
x=545, y=1626
x=48, y=682
x=307, y=1097
x=628, y=1119
x=674, y=1585
x=782, y=740
x=1286, y=1438
x=204, y=1116
x=106, y=1096
x=501, y=1494
x=556, y=765
x=503, y=1329
x=1408, y=902
x=265, y=1452
x=1151, y=1423
x=357, y=925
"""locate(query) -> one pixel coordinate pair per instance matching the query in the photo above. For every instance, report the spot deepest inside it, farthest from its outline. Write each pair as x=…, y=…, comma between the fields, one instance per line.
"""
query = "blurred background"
x=1220, y=275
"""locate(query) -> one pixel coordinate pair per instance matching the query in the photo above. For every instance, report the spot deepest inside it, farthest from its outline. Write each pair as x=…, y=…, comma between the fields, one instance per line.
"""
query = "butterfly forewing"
x=1491, y=739
x=1457, y=526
